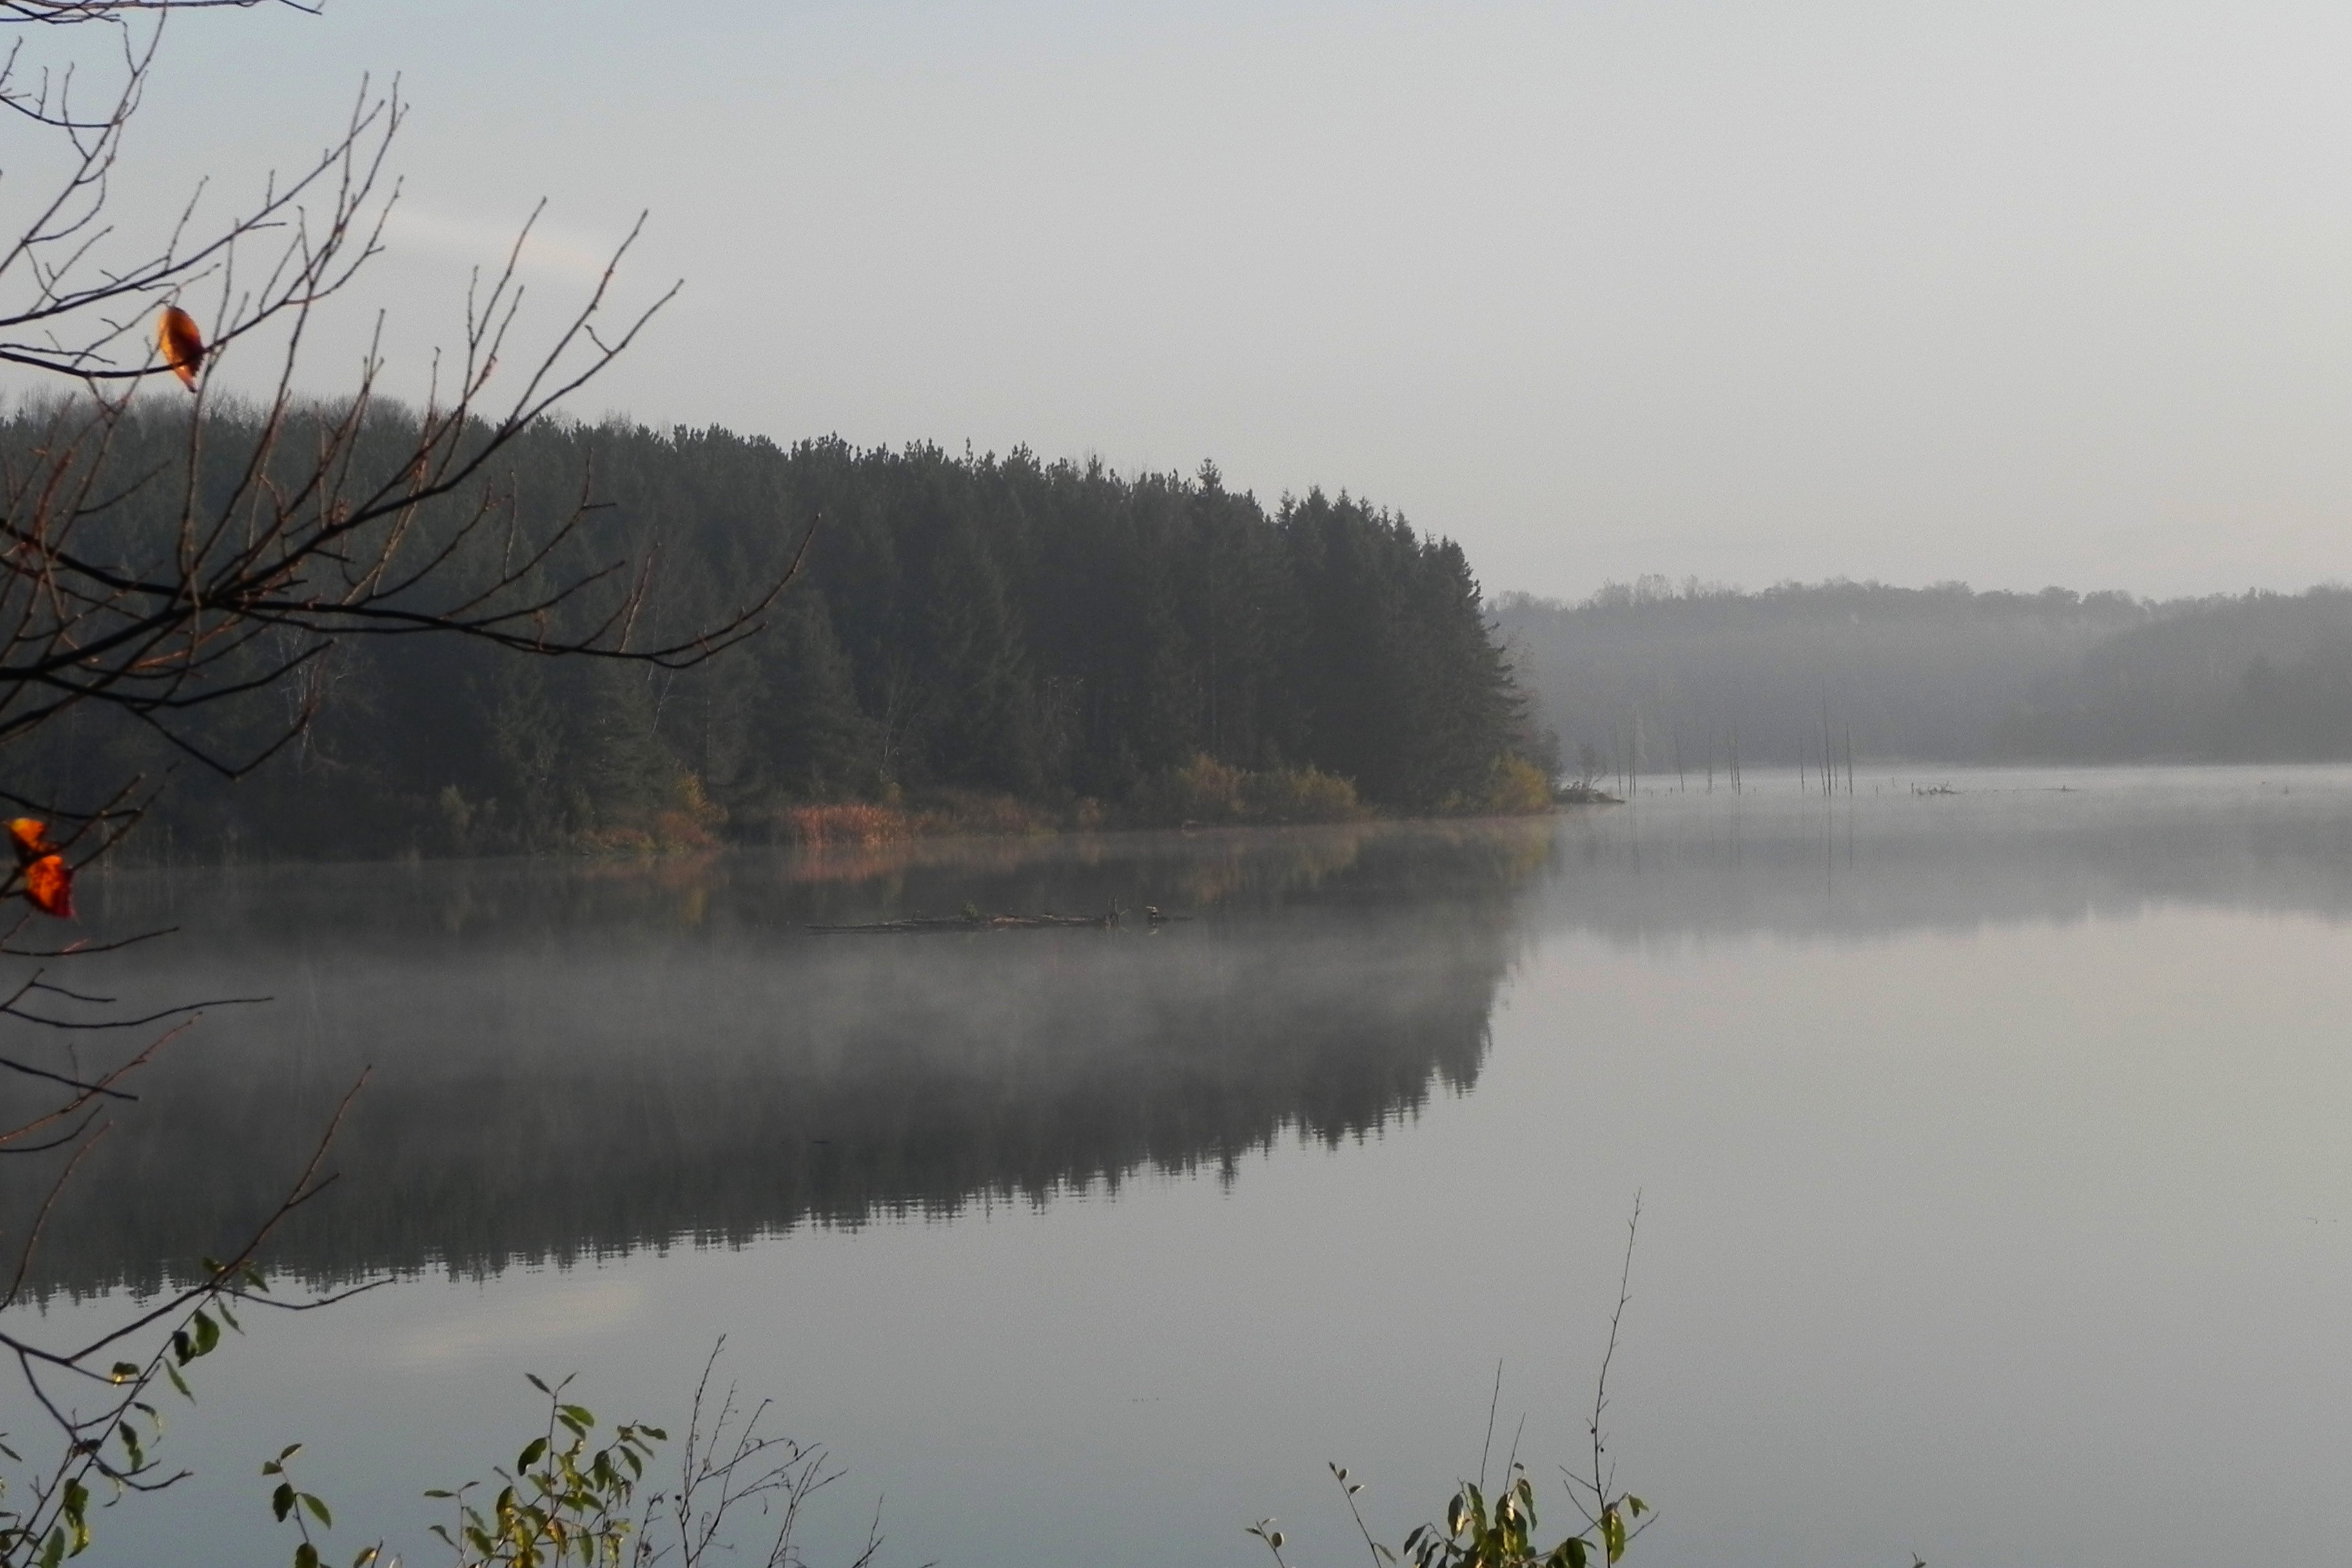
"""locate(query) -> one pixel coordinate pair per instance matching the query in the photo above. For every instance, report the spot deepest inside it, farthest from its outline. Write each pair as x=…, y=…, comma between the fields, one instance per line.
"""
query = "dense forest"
x=1658, y=675
x=987, y=639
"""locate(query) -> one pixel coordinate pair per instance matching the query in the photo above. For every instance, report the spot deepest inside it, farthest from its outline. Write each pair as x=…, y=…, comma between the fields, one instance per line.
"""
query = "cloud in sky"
x=550, y=248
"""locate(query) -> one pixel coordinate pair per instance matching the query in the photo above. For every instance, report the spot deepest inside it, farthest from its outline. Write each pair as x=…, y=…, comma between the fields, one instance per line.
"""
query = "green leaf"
x=281, y=1501
x=121, y=1372
x=177, y=1380
x=306, y=1556
x=318, y=1510
x=578, y=1413
x=529, y=1456
x=53, y=1552
x=207, y=1333
x=367, y=1555
x=77, y=1508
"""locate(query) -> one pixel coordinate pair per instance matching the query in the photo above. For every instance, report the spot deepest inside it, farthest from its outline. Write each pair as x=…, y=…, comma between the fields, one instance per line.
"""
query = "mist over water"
x=569, y=1062
x=1993, y=1150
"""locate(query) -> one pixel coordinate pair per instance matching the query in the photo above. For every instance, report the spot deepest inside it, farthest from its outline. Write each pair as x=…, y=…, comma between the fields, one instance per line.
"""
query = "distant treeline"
x=1097, y=646
x=1661, y=676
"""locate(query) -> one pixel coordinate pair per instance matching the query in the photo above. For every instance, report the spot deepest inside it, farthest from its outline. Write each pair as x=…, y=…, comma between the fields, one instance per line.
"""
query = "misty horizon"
x=2003, y=295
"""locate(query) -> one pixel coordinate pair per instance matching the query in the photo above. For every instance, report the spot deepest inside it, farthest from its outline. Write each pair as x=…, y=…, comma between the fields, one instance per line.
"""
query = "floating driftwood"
x=973, y=920
x=1584, y=795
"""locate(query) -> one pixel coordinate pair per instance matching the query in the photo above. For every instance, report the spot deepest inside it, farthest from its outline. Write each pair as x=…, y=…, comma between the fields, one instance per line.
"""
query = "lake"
x=1994, y=1151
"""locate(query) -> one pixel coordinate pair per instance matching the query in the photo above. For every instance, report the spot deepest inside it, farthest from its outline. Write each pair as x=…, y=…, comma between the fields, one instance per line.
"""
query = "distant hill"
x=1658, y=674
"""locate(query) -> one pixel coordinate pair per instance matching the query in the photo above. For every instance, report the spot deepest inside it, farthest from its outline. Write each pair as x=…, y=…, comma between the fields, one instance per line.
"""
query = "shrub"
x=1206, y=791
x=1302, y=795
x=855, y=824
x=1518, y=788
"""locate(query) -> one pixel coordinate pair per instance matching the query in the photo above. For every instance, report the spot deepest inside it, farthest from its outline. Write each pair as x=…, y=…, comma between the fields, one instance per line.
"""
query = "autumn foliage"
x=181, y=344
x=49, y=880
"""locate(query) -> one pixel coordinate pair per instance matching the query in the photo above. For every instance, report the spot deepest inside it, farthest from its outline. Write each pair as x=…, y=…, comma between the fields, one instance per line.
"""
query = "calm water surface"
x=1995, y=1152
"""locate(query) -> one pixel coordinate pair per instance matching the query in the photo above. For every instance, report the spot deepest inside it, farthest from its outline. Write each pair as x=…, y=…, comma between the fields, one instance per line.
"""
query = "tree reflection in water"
x=575, y=1059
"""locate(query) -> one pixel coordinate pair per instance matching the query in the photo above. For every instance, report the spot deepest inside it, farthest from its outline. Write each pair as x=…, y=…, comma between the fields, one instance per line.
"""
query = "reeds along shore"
x=1204, y=792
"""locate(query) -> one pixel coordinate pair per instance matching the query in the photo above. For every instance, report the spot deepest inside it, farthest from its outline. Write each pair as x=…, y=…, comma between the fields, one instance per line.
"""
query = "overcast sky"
x=2014, y=293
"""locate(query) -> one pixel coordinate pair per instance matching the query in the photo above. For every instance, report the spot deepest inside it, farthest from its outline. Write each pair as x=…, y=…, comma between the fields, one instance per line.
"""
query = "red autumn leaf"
x=181, y=343
x=30, y=837
x=48, y=884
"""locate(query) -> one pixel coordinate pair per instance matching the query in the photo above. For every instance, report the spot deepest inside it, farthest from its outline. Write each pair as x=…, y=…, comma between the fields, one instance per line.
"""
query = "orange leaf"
x=30, y=835
x=183, y=344
x=48, y=883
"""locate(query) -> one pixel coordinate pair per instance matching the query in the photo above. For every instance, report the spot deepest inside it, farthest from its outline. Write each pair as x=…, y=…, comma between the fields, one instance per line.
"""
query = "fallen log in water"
x=934, y=925
x=919, y=925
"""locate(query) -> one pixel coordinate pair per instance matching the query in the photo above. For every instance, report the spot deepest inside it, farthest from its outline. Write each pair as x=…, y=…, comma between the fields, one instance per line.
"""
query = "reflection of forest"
x=573, y=1060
